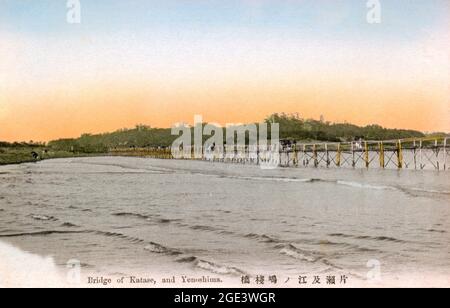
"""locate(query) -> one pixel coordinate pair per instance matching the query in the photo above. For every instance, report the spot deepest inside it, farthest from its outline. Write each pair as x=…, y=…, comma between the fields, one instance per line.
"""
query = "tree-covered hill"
x=294, y=127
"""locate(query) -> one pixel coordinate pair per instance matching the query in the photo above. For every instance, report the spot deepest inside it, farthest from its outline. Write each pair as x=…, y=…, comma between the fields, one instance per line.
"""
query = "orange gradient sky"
x=88, y=80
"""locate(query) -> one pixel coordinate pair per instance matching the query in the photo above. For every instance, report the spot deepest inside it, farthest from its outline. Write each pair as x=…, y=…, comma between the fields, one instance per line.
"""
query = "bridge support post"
x=445, y=154
x=436, y=145
x=366, y=154
x=415, y=154
x=316, y=161
x=338, y=155
x=295, y=156
x=304, y=156
x=421, y=155
x=399, y=155
x=257, y=155
x=353, y=155
x=382, y=165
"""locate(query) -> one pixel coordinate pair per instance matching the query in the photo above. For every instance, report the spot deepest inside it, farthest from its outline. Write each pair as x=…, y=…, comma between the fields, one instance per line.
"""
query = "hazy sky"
x=161, y=62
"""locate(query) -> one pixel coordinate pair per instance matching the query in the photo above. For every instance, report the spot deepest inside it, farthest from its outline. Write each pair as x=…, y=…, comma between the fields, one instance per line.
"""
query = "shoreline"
x=86, y=155
x=28, y=161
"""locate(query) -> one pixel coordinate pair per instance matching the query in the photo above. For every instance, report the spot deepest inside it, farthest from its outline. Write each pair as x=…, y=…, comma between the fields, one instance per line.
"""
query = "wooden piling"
x=304, y=156
x=366, y=154
x=399, y=155
x=415, y=154
x=382, y=165
x=338, y=155
x=353, y=155
x=295, y=156
x=316, y=161
x=421, y=155
x=445, y=154
x=437, y=154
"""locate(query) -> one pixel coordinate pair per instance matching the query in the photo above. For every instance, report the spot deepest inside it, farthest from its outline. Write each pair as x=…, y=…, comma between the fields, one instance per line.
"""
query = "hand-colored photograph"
x=237, y=144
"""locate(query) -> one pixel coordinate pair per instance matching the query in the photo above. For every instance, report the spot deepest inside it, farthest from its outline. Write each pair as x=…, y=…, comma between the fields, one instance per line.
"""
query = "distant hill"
x=141, y=136
x=294, y=127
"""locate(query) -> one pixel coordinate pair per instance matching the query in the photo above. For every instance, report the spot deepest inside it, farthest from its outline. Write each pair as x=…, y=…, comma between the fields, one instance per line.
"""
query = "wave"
x=436, y=231
x=212, y=267
x=307, y=256
x=379, y=238
x=164, y=221
x=125, y=214
x=167, y=220
x=204, y=228
x=119, y=235
x=218, y=269
x=226, y=232
x=275, y=179
x=140, y=170
x=161, y=249
x=424, y=191
x=347, y=246
x=149, y=246
x=353, y=184
x=363, y=185
x=41, y=233
x=340, y=235
x=69, y=225
x=43, y=217
x=158, y=248
x=289, y=249
x=189, y=259
x=407, y=190
x=262, y=238
x=176, y=221
x=73, y=207
x=146, y=217
x=368, y=237
x=294, y=252
x=332, y=181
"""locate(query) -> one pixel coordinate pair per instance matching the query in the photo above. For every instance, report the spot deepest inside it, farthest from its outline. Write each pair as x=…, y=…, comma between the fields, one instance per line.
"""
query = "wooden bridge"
x=414, y=153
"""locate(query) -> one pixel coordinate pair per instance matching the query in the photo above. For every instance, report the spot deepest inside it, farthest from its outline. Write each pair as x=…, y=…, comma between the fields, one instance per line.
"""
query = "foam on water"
x=294, y=252
x=20, y=269
x=218, y=269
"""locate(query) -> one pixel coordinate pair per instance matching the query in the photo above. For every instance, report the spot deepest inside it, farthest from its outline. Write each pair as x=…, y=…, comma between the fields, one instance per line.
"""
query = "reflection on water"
x=125, y=215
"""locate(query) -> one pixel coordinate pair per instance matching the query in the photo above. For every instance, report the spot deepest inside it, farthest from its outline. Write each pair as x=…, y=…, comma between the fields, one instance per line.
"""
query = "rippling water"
x=132, y=215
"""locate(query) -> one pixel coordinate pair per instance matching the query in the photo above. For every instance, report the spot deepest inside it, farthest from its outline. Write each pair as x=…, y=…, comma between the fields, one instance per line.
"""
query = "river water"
x=165, y=218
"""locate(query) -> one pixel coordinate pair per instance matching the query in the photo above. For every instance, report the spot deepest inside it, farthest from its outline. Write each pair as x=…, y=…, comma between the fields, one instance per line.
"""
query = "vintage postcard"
x=209, y=144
